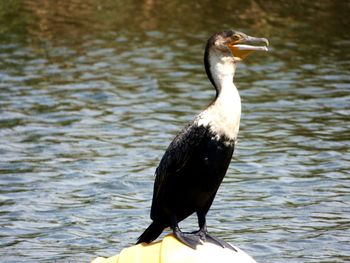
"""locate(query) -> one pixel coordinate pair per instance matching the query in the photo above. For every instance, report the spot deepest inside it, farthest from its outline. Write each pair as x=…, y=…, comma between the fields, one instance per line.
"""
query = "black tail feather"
x=151, y=233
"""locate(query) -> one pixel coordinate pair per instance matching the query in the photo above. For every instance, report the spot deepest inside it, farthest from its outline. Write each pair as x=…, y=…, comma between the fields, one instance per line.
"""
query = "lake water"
x=92, y=92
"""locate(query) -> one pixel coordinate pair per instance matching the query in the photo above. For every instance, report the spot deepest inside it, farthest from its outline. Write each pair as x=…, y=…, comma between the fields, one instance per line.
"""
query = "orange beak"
x=245, y=45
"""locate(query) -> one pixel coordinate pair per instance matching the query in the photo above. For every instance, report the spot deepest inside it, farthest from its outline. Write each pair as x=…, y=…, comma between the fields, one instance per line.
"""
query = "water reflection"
x=92, y=92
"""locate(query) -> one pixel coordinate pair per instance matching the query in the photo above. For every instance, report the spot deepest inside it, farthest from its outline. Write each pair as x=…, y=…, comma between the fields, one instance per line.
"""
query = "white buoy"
x=170, y=250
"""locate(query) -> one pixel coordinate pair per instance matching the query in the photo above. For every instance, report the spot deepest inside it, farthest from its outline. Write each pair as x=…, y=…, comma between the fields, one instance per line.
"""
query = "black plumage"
x=189, y=174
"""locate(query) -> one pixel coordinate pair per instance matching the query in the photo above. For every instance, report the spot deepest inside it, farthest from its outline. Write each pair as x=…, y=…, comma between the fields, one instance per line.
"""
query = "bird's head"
x=237, y=43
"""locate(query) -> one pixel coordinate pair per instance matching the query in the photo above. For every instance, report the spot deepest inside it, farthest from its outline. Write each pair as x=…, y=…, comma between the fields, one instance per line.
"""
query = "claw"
x=219, y=242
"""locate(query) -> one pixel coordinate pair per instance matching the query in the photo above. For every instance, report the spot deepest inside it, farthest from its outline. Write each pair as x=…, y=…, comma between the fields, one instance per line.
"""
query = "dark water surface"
x=92, y=92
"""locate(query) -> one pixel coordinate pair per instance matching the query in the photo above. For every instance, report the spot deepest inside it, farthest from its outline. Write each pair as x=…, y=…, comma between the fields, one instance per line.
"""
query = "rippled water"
x=90, y=97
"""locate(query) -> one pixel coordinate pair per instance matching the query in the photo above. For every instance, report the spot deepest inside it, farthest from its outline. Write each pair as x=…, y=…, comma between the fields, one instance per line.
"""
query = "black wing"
x=176, y=157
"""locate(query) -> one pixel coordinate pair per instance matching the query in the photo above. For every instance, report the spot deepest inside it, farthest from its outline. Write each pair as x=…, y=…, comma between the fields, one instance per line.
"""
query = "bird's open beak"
x=244, y=46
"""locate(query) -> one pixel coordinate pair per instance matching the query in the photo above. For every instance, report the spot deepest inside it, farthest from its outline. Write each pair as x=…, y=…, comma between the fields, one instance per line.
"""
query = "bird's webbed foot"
x=199, y=237
x=190, y=239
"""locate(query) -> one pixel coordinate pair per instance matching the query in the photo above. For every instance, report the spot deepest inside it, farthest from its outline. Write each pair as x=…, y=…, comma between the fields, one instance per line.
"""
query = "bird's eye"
x=235, y=37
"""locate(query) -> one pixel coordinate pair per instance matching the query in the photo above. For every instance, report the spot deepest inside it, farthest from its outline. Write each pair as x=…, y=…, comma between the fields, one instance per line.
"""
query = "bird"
x=195, y=163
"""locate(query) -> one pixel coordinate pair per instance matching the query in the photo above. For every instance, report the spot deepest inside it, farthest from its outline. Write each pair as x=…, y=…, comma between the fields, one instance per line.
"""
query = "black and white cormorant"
x=196, y=161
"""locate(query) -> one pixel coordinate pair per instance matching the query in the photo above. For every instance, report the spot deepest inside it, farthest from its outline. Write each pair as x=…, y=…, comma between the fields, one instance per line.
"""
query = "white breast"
x=223, y=116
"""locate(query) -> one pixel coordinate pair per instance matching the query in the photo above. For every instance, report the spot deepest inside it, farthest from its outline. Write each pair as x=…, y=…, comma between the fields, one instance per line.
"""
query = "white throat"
x=223, y=115
x=222, y=69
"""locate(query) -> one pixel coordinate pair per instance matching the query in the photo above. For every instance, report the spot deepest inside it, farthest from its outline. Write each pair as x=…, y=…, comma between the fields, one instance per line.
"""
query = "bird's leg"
x=202, y=226
x=189, y=239
x=203, y=232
